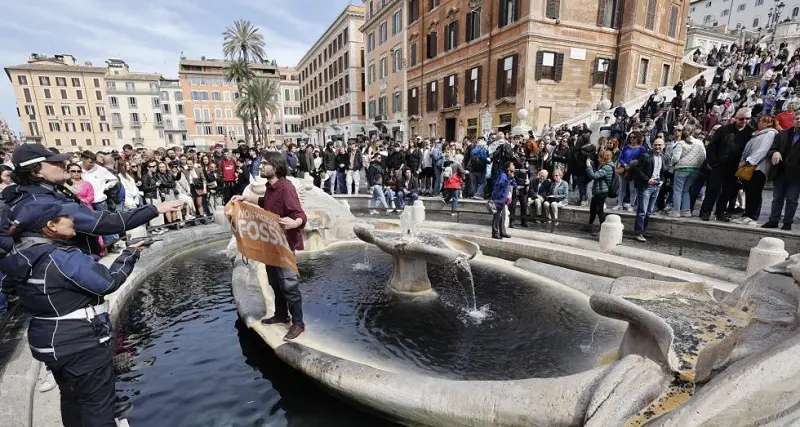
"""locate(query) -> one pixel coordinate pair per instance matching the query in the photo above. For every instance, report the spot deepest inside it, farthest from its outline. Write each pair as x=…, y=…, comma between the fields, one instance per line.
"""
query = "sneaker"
x=453, y=214
x=706, y=217
x=786, y=227
x=189, y=217
x=584, y=204
x=122, y=407
x=724, y=218
x=616, y=208
x=294, y=331
x=770, y=224
x=630, y=209
x=640, y=238
x=48, y=383
x=627, y=206
x=749, y=222
x=373, y=212
x=686, y=214
x=274, y=320
x=674, y=214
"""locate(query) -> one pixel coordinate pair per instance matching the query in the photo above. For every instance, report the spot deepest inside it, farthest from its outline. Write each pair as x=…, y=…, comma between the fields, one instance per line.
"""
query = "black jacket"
x=358, y=160
x=790, y=166
x=396, y=159
x=329, y=160
x=643, y=169
x=341, y=162
x=541, y=188
x=375, y=174
x=414, y=159
x=726, y=148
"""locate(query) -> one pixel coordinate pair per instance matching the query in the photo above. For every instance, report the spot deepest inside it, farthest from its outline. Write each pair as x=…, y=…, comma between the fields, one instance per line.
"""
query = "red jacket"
x=228, y=170
x=281, y=199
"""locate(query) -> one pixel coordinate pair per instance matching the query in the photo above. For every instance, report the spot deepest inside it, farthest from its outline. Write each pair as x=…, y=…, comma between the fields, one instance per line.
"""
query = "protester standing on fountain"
x=281, y=199
x=501, y=198
x=63, y=288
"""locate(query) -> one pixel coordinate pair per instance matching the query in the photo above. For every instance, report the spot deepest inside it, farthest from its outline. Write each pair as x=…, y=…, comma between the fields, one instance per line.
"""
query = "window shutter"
x=455, y=91
x=468, y=96
x=434, y=44
x=446, y=38
x=517, y=4
x=553, y=9
x=601, y=12
x=619, y=6
x=455, y=35
x=612, y=73
x=514, y=69
x=499, y=85
x=446, y=94
x=539, y=64
x=502, y=14
x=468, y=29
x=477, y=96
x=559, y=66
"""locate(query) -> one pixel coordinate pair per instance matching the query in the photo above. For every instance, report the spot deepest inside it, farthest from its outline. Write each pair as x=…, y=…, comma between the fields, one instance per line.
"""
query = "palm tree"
x=258, y=99
x=243, y=41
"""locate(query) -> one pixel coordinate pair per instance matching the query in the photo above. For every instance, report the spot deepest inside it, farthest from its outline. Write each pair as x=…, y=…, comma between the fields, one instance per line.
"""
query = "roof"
x=53, y=66
x=357, y=11
x=134, y=76
x=221, y=64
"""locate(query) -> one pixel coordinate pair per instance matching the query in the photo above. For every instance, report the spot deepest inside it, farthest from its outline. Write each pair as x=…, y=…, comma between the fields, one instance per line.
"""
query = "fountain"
x=562, y=346
x=412, y=250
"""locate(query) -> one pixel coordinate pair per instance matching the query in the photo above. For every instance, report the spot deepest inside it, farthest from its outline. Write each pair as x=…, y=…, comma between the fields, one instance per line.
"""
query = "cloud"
x=151, y=34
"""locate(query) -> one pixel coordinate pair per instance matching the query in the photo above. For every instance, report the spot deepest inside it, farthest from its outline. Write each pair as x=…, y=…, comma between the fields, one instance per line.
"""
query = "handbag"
x=745, y=172
x=491, y=207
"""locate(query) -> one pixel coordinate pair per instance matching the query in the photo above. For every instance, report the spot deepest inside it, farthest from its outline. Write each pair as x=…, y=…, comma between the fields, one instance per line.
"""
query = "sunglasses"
x=74, y=171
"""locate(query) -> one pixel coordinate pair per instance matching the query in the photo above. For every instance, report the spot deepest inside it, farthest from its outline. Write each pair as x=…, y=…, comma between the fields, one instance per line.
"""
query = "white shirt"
x=657, y=162
x=101, y=180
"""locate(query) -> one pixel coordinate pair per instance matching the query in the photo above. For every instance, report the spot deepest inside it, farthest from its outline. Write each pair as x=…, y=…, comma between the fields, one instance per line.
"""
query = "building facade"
x=173, y=111
x=135, y=106
x=61, y=103
x=332, y=81
x=289, y=127
x=385, y=35
x=473, y=63
x=210, y=100
x=707, y=38
x=743, y=14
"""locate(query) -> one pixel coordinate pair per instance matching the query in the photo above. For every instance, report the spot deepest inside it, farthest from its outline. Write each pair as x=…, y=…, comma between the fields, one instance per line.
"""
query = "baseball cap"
x=35, y=215
x=30, y=154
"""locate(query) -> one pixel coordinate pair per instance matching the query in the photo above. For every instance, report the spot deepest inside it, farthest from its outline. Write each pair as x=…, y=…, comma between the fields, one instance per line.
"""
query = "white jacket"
x=689, y=153
x=133, y=196
x=101, y=179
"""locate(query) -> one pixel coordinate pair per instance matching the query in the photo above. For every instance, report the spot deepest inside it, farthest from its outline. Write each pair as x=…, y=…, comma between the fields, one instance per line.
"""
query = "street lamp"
x=775, y=16
x=604, y=65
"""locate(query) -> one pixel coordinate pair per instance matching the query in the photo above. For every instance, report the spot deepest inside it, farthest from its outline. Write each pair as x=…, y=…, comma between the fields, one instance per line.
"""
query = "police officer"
x=63, y=289
x=39, y=175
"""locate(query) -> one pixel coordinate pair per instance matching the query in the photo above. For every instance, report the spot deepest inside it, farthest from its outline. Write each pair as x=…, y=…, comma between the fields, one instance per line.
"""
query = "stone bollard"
x=611, y=232
x=419, y=212
x=769, y=251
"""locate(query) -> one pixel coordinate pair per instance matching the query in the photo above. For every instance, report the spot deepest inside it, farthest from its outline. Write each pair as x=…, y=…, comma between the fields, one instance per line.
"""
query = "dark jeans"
x=519, y=195
x=498, y=222
x=582, y=181
x=753, y=190
x=788, y=191
x=697, y=187
x=288, y=300
x=645, y=205
x=597, y=207
x=401, y=198
x=720, y=188
x=86, y=381
x=228, y=191
x=665, y=193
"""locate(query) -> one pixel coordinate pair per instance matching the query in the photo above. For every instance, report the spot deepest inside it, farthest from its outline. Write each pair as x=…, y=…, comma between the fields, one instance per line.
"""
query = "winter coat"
x=726, y=148
x=755, y=152
x=602, y=178
x=688, y=154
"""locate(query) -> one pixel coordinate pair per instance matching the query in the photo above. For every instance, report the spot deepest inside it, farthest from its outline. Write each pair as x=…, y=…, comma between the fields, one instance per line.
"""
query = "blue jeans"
x=401, y=198
x=455, y=194
x=477, y=183
x=583, y=187
x=111, y=238
x=389, y=195
x=784, y=190
x=3, y=307
x=377, y=196
x=682, y=190
x=645, y=204
x=331, y=181
x=437, y=180
x=626, y=188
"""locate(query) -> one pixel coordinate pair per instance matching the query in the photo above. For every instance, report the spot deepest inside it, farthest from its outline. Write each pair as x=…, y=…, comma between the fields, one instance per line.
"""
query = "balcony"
x=159, y=124
x=138, y=141
x=116, y=124
x=136, y=124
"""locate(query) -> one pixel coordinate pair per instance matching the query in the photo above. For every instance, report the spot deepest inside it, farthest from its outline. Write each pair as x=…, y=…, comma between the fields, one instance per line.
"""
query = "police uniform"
x=63, y=289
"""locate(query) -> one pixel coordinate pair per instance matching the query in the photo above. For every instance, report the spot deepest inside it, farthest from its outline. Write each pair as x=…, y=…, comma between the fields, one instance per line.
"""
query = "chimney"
x=88, y=63
x=68, y=59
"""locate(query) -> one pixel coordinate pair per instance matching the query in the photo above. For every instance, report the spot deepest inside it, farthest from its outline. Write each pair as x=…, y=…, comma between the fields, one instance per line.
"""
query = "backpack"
x=613, y=189
x=438, y=158
x=475, y=162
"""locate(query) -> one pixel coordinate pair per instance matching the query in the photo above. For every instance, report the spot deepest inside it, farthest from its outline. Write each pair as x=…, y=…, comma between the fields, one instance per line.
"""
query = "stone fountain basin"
x=432, y=247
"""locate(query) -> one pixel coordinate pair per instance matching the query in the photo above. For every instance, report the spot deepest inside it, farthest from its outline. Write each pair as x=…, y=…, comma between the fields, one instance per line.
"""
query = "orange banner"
x=260, y=236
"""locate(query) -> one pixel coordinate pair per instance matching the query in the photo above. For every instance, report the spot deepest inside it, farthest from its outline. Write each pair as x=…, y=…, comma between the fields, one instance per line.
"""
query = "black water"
x=194, y=364
x=532, y=329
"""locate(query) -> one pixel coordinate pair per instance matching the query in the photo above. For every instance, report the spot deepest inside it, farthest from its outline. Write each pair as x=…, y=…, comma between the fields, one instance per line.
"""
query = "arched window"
x=755, y=23
x=795, y=12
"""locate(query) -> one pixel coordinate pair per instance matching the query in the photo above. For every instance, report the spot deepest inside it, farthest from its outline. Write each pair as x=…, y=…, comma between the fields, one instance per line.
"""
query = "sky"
x=150, y=35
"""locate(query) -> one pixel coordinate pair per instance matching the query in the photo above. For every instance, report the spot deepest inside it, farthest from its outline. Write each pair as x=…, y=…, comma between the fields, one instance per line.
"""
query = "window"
x=472, y=89
x=55, y=126
x=220, y=130
x=106, y=142
x=179, y=96
x=450, y=36
x=286, y=94
x=650, y=21
x=73, y=142
x=81, y=110
x=759, y=2
x=23, y=80
x=116, y=119
x=165, y=108
x=795, y=12
x=413, y=11
x=665, y=69
x=603, y=71
x=96, y=83
x=741, y=7
x=371, y=73
x=76, y=82
x=63, y=94
x=608, y=13
x=432, y=4
x=49, y=110
x=164, y=96
x=206, y=114
x=382, y=106
x=644, y=65
x=46, y=94
x=724, y=12
x=216, y=96
x=473, y=24
x=158, y=119
x=58, y=142
x=371, y=109
x=552, y=9
x=412, y=55
x=44, y=81
x=119, y=133
x=86, y=127
x=79, y=94
x=397, y=102
x=755, y=23
x=673, y=22
x=156, y=103
x=397, y=22
x=549, y=65
x=61, y=81
x=226, y=96
x=27, y=93
x=69, y=127
x=105, y=127
x=113, y=101
x=228, y=113
x=99, y=95
x=450, y=91
x=397, y=57
x=509, y=12
x=135, y=119
x=384, y=67
x=33, y=127
x=65, y=111
x=433, y=98
x=130, y=86
x=132, y=101
x=218, y=113
x=179, y=109
x=382, y=34
x=371, y=42
x=432, y=44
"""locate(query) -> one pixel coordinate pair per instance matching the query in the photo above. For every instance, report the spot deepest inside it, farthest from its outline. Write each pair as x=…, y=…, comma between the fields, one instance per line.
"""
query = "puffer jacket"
x=689, y=154
x=55, y=279
x=602, y=178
